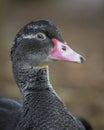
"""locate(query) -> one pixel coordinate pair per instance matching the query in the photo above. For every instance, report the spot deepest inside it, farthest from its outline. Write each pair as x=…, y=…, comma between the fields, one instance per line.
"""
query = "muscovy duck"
x=35, y=45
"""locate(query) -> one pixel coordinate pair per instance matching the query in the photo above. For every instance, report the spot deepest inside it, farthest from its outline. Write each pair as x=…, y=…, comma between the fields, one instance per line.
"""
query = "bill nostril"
x=64, y=48
x=82, y=59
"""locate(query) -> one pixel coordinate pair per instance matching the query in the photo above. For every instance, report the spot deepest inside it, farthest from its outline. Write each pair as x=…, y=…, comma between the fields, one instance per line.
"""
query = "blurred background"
x=81, y=86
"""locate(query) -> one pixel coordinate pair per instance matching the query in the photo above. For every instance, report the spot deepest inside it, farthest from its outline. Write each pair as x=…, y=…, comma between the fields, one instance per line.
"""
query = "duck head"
x=41, y=42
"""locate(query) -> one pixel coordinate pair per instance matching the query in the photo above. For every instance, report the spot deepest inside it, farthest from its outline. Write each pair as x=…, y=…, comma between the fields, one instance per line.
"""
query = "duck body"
x=48, y=114
x=10, y=111
x=35, y=45
x=43, y=109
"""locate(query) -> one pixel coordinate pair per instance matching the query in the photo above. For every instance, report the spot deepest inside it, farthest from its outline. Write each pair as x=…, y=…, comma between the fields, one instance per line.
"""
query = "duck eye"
x=40, y=36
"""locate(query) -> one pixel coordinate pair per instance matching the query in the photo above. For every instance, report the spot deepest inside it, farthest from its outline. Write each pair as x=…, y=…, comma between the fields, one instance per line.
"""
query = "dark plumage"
x=86, y=124
x=36, y=44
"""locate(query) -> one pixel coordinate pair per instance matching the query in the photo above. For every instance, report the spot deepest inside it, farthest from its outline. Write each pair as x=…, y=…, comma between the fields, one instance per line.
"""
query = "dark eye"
x=40, y=36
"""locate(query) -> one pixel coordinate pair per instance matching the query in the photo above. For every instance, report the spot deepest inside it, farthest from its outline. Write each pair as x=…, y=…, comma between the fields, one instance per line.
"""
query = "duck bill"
x=62, y=51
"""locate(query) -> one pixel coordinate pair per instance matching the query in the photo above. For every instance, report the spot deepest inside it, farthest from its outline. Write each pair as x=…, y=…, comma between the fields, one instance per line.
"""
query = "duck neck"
x=30, y=78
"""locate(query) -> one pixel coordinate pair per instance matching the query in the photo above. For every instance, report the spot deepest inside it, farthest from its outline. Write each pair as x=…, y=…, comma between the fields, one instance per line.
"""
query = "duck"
x=35, y=46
